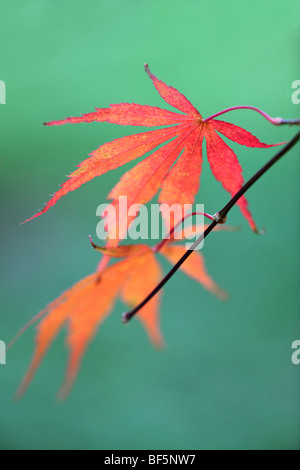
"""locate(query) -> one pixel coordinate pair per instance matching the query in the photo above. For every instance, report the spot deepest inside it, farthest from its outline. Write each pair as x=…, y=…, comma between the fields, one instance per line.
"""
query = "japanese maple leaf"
x=175, y=167
x=86, y=305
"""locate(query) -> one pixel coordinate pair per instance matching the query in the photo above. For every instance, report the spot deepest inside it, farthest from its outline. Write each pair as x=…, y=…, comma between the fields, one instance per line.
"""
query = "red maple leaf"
x=178, y=178
x=86, y=305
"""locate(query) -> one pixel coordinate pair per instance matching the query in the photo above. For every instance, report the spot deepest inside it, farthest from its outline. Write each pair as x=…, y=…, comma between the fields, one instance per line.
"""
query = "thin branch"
x=220, y=216
x=276, y=121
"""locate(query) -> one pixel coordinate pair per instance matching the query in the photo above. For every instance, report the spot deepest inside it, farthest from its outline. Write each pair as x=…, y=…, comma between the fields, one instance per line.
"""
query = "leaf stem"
x=276, y=121
x=160, y=245
x=126, y=317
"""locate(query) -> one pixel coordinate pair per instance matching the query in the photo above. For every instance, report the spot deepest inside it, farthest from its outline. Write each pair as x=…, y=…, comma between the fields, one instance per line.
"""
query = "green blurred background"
x=226, y=380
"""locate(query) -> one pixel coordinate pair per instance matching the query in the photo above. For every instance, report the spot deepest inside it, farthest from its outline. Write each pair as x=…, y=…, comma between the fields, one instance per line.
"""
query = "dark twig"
x=219, y=217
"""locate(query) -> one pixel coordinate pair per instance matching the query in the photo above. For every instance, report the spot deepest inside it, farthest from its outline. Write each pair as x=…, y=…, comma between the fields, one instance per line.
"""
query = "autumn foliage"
x=86, y=305
x=173, y=168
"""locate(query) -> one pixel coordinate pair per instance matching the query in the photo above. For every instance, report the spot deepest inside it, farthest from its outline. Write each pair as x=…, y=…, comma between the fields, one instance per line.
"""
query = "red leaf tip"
x=148, y=71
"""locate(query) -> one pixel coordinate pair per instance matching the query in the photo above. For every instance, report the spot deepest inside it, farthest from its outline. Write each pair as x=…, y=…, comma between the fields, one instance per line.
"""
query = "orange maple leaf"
x=86, y=305
x=178, y=178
